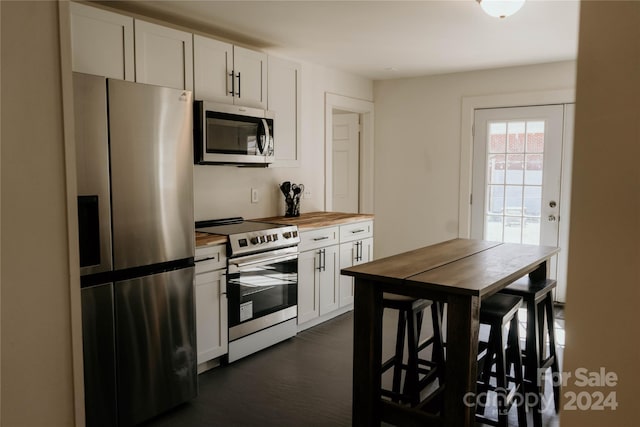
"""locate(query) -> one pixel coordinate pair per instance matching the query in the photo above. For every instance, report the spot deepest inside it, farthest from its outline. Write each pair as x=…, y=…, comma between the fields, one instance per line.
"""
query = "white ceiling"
x=384, y=39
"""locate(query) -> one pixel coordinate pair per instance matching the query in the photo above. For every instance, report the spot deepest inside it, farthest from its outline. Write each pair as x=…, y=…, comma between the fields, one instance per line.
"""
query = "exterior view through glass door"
x=517, y=165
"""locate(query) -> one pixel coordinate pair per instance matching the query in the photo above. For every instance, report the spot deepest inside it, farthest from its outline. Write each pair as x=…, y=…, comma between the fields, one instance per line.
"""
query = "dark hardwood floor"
x=304, y=381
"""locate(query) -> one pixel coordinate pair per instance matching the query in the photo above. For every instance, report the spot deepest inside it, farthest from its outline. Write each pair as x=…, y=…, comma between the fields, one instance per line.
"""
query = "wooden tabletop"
x=485, y=272
x=462, y=266
x=399, y=267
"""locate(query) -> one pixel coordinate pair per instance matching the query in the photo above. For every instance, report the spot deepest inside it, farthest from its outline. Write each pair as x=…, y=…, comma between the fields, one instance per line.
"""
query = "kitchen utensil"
x=285, y=187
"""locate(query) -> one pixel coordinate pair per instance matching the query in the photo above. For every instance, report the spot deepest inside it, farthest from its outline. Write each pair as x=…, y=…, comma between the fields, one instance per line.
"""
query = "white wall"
x=37, y=378
x=224, y=191
x=604, y=250
x=417, y=147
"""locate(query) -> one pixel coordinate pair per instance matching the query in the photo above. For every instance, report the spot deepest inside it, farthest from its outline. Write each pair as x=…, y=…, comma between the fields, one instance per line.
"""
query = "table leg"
x=463, y=325
x=367, y=354
x=534, y=345
x=540, y=273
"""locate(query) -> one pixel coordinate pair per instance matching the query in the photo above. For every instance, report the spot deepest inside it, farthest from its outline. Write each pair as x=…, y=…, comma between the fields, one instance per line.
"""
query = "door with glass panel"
x=517, y=161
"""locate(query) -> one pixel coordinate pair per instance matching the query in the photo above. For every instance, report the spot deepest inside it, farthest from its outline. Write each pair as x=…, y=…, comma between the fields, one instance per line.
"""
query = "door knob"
x=552, y=218
x=552, y=204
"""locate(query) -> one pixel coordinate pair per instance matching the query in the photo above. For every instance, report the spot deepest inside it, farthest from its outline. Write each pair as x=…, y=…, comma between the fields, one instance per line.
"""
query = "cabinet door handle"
x=238, y=84
x=358, y=251
x=233, y=83
x=322, y=260
x=223, y=284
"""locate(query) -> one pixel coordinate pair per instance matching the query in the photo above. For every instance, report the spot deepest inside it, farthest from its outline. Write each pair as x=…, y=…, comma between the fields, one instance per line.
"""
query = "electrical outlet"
x=255, y=198
x=306, y=194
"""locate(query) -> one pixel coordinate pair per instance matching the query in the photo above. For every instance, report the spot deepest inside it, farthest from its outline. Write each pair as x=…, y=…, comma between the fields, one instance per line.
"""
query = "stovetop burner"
x=245, y=237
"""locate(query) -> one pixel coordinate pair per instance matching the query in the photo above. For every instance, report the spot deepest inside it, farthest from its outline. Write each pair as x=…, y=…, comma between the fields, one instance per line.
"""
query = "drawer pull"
x=317, y=239
x=206, y=259
x=358, y=231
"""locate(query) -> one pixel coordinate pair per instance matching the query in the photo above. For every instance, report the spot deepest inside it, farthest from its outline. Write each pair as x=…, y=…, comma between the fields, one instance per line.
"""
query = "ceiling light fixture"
x=500, y=8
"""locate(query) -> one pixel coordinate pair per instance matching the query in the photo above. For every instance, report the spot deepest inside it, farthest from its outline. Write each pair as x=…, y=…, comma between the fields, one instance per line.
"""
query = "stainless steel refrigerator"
x=136, y=231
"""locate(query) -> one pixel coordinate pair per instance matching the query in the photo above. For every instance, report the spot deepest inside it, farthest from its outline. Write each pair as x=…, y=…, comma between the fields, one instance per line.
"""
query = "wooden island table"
x=459, y=272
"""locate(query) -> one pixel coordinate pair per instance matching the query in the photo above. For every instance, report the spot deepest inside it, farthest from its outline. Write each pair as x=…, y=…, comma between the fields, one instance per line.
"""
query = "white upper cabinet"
x=102, y=42
x=284, y=100
x=212, y=64
x=164, y=56
x=250, y=69
x=229, y=74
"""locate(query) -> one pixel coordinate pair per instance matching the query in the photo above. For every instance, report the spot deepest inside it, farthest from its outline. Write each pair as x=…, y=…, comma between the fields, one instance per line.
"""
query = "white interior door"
x=346, y=162
x=517, y=175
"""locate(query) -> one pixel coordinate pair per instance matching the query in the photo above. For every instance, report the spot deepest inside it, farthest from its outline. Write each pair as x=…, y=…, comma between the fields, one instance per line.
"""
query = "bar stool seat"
x=538, y=300
x=419, y=372
x=497, y=311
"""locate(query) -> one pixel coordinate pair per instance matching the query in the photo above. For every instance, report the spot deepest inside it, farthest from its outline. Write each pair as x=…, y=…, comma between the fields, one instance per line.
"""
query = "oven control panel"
x=264, y=240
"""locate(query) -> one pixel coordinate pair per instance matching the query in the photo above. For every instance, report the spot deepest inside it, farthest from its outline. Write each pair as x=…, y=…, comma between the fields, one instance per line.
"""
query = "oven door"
x=262, y=291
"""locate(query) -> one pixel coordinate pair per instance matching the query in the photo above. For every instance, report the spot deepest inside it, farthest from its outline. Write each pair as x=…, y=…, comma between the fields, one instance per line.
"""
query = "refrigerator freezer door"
x=98, y=343
x=151, y=173
x=156, y=344
x=92, y=167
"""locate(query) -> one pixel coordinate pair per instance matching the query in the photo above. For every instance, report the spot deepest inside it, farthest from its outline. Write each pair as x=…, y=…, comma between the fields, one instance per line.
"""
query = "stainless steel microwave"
x=230, y=134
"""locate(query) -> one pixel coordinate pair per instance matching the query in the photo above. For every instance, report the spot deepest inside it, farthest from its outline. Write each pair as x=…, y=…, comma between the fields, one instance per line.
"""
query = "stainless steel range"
x=262, y=282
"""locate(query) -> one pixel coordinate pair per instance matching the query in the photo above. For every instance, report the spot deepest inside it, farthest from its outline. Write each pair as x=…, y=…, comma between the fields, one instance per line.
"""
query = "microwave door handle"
x=267, y=137
x=263, y=137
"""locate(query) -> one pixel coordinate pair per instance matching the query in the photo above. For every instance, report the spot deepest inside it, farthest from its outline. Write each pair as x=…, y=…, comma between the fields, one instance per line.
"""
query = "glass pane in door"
x=514, y=167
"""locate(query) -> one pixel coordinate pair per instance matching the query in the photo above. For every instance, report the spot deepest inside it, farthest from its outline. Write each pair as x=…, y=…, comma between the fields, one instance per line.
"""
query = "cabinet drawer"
x=210, y=258
x=356, y=231
x=318, y=238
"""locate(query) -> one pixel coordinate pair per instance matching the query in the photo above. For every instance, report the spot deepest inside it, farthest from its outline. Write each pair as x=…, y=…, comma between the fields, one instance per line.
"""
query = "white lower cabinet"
x=323, y=292
x=318, y=285
x=317, y=280
x=352, y=253
x=211, y=303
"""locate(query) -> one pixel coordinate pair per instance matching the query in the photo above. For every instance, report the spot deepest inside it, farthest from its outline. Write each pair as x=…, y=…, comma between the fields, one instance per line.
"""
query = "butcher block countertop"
x=206, y=239
x=311, y=220
x=306, y=221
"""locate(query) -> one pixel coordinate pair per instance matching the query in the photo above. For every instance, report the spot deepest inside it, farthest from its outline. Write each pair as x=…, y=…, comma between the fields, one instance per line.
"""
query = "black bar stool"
x=497, y=311
x=410, y=315
x=538, y=300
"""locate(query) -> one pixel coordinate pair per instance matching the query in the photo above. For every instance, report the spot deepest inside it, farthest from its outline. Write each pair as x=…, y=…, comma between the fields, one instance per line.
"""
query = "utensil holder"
x=292, y=207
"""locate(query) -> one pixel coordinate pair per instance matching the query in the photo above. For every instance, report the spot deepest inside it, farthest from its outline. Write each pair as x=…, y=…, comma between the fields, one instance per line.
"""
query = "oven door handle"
x=243, y=262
